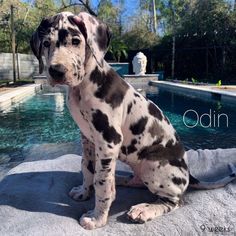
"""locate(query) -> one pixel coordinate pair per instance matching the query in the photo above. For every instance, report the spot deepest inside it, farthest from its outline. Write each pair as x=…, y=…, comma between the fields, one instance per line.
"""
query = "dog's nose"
x=57, y=71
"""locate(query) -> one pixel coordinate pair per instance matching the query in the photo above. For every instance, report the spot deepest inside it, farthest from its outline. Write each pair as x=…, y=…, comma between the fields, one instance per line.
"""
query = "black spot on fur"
x=129, y=108
x=131, y=148
x=158, y=152
x=80, y=25
x=169, y=202
x=101, y=182
x=123, y=150
x=156, y=130
x=179, y=181
x=111, y=88
x=46, y=24
x=104, y=200
x=178, y=163
x=193, y=180
x=62, y=35
x=57, y=44
x=154, y=111
x=105, y=163
x=92, y=20
x=97, y=76
x=146, y=183
x=139, y=126
x=101, y=124
x=136, y=95
x=161, y=186
x=73, y=32
x=90, y=167
x=91, y=188
x=103, y=37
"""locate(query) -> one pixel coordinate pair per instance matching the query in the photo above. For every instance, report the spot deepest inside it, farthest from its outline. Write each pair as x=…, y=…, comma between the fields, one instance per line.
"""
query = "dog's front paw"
x=90, y=221
x=79, y=193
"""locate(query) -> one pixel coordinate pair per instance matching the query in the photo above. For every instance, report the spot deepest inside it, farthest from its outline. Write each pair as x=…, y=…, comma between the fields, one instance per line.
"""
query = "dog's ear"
x=37, y=37
x=36, y=47
x=96, y=33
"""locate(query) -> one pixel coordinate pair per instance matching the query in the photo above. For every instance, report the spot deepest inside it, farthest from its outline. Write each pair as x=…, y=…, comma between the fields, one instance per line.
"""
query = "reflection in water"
x=59, y=101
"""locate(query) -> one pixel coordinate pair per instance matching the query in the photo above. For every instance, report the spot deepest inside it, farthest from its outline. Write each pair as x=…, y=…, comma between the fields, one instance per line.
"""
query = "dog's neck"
x=87, y=88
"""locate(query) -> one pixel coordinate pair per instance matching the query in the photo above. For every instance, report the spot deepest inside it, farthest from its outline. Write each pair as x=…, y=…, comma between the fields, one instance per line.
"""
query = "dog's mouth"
x=62, y=81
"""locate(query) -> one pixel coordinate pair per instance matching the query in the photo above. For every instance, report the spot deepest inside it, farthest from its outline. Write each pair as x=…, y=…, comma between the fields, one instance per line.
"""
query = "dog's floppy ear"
x=37, y=37
x=97, y=34
x=36, y=47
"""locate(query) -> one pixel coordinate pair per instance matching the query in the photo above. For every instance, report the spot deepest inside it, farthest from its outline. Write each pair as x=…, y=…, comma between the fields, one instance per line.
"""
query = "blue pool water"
x=200, y=122
x=44, y=118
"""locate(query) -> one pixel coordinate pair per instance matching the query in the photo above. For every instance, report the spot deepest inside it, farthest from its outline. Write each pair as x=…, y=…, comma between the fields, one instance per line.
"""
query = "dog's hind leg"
x=143, y=212
x=167, y=182
x=129, y=181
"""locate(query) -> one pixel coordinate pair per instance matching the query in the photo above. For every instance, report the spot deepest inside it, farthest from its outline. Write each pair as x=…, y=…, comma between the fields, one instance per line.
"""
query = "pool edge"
x=12, y=97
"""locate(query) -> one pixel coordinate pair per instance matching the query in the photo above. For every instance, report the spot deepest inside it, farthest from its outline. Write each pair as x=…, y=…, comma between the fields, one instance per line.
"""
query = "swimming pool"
x=44, y=118
x=200, y=122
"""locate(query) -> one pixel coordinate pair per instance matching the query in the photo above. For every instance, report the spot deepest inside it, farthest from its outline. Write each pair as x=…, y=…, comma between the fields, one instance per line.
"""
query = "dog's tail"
x=195, y=183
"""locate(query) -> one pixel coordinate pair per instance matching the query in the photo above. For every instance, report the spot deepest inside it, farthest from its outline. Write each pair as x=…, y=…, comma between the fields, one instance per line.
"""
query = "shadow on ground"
x=48, y=192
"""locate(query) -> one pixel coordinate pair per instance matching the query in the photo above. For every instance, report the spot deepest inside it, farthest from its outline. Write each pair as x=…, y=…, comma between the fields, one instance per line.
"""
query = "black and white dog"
x=115, y=120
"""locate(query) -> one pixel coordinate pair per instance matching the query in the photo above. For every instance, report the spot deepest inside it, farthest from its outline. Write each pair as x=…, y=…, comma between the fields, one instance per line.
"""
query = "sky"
x=130, y=6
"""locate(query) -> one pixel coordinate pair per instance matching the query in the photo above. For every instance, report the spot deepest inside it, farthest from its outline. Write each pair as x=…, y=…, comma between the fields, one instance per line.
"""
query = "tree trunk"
x=13, y=44
x=17, y=63
x=223, y=57
x=154, y=16
x=173, y=58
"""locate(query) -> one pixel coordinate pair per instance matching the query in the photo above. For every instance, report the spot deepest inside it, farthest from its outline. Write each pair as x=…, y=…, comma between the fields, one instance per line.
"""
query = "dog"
x=116, y=122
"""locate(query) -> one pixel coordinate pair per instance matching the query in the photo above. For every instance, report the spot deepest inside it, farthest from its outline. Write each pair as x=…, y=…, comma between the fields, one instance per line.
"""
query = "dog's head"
x=68, y=42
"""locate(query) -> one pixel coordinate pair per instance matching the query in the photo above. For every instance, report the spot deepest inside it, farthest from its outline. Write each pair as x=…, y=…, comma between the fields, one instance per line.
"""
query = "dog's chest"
x=81, y=115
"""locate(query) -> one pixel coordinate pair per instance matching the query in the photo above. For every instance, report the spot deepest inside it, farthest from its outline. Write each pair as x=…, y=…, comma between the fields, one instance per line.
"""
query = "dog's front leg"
x=104, y=185
x=83, y=192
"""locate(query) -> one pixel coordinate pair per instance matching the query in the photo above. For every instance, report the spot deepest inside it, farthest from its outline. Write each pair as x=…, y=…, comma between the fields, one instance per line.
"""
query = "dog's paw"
x=90, y=221
x=139, y=213
x=79, y=193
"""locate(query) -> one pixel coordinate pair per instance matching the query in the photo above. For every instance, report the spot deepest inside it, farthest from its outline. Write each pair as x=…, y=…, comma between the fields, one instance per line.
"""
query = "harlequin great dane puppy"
x=115, y=120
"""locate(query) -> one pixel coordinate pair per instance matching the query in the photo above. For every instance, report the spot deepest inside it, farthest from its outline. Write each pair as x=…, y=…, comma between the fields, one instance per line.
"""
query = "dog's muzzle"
x=57, y=72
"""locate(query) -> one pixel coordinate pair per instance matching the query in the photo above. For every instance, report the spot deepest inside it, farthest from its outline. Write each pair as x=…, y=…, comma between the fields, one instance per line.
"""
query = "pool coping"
x=206, y=90
x=16, y=95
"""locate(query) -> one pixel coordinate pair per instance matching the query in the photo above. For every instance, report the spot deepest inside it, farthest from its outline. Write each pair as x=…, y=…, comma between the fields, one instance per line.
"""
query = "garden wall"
x=28, y=66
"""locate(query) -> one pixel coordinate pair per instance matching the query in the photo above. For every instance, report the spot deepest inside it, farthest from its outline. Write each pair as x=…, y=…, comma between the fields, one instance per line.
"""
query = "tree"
x=139, y=33
x=108, y=13
x=118, y=48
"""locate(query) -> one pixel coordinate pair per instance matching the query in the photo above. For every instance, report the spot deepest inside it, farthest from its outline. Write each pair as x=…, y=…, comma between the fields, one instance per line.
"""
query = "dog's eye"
x=75, y=41
x=46, y=44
